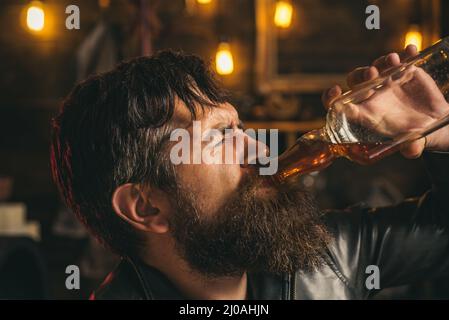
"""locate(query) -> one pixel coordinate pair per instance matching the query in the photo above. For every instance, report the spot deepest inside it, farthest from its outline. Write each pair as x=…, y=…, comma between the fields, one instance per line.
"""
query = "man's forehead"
x=223, y=112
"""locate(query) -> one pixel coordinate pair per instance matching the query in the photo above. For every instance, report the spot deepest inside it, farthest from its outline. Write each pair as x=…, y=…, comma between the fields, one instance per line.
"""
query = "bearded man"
x=217, y=231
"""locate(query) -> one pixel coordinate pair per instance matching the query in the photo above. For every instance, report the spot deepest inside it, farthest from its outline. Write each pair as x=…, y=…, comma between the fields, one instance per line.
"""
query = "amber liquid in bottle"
x=313, y=153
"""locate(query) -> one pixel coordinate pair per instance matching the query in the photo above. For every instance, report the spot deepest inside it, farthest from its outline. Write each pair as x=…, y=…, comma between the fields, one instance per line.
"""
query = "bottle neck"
x=313, y=151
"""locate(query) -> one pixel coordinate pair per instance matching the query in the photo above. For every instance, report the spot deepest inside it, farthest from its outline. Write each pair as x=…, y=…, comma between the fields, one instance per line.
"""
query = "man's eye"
x=225, y=133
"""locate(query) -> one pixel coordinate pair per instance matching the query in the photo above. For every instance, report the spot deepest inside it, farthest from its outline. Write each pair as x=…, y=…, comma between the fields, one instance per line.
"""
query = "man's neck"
x=194, y=285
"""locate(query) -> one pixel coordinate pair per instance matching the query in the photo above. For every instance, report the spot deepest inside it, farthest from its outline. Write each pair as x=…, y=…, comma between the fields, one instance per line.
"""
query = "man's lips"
x=264, y=181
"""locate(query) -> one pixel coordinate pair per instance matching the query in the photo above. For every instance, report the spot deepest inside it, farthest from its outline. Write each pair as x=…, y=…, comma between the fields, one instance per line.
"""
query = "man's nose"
x=254, y=151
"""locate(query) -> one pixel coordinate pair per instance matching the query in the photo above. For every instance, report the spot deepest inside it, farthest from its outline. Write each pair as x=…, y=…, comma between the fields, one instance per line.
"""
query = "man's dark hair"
x=111, y=130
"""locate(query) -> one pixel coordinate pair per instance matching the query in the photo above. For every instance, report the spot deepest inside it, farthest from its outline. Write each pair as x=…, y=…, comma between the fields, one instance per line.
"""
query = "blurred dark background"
x=276, y=64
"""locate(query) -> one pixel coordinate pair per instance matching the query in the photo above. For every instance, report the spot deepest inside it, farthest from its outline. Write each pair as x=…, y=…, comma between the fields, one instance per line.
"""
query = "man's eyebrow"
x=228, y=124
x=220, y=122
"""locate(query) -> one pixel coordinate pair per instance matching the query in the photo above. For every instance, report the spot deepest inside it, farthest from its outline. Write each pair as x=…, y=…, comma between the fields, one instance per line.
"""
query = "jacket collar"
x=157, y=286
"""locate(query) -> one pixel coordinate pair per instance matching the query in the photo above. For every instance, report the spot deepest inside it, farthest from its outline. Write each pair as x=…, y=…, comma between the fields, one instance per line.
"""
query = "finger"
x=414, y=149
x=356, y=76
x=330, y=94
x=410, y=51
x=361, y=75
x=371, y=73
x=388, y=61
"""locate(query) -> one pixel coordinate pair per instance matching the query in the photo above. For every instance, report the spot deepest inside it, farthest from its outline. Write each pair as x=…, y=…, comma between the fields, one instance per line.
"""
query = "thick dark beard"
x=278, y=234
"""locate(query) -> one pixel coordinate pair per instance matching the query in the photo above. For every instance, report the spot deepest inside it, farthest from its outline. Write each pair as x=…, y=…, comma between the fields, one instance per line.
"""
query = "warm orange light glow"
x=414, y=36
x=104, y=3
x=204, y=1
x=224, y=61
x=283, y=14
x=35, y=16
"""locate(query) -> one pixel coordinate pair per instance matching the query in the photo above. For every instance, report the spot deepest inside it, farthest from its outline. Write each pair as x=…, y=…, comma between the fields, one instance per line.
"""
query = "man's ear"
x=142, y=208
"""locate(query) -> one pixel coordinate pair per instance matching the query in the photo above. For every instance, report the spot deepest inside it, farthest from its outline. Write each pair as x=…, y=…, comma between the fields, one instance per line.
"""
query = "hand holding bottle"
x=403, y=104
x=400, y=102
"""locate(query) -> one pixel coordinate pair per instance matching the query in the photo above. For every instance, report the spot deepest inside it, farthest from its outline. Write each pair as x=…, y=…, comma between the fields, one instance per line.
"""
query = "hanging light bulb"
x=204, y=1
x=224, y=62
x=283, y=14
x=414, y=36
x=35, y=16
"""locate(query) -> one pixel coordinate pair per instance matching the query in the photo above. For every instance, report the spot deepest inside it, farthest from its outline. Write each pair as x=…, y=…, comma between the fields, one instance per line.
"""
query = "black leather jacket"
x=409, y=242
